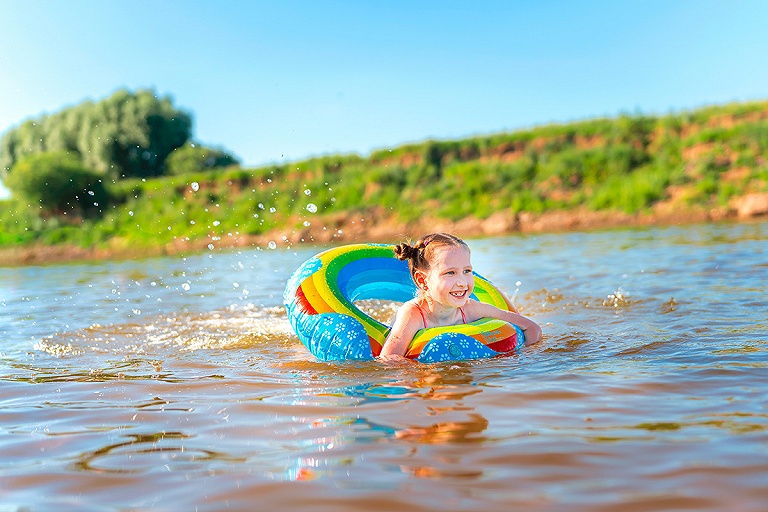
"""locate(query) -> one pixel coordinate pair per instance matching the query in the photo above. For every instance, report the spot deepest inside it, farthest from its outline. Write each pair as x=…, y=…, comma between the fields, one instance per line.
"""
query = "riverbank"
x=701, y=166
x=343, y=229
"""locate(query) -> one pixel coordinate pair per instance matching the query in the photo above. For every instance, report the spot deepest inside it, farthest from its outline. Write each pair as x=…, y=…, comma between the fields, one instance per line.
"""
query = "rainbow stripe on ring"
x=320, y=301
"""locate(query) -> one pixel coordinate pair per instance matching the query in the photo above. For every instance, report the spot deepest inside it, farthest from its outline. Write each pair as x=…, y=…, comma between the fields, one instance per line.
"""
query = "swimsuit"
x=424, y=319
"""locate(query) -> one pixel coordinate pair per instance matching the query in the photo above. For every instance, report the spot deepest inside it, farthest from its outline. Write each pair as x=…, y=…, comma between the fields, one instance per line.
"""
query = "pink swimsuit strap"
x=424, y=318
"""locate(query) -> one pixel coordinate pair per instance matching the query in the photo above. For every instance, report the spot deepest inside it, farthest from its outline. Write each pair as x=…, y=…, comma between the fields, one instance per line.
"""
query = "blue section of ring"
x=376, y=278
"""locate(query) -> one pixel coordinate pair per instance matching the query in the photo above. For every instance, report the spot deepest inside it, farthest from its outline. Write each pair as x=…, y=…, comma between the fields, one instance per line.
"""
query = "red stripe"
x=375, y=346
x=303, y=303
x=505, y=345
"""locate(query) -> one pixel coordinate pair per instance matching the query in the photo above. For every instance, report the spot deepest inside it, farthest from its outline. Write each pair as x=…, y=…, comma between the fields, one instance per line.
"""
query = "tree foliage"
x=191, y=158
x=57, y=182
x=125, y=135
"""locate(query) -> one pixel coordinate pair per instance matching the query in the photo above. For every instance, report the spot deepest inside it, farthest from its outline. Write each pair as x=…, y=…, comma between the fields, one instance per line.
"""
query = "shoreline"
x=342, y=229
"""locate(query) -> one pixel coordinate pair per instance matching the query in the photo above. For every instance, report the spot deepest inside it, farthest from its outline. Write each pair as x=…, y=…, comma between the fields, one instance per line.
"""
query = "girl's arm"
x=530, y=328
x=407, y=323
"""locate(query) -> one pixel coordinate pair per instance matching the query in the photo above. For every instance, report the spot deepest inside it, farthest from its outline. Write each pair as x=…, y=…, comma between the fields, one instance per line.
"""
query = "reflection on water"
x=447, y=421
x=448, y=431
x=177, y=384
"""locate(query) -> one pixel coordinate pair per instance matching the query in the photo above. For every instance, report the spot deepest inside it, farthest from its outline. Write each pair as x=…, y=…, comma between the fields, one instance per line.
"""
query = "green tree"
x=131, y=135
x=125, y=135
x=57, y=182
x=192, y=157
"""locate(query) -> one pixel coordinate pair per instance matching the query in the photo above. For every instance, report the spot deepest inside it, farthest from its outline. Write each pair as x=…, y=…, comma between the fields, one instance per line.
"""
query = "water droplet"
x=272, y=245
x=312, y=208
x=186, y=286
x=307, y=192
x=130, y=213
x=306, y=223
x=195, y=186
x=210, y=247
x=272, y=210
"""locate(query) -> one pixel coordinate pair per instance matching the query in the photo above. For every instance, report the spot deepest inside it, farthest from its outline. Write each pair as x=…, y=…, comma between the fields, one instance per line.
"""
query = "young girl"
x=441, y=269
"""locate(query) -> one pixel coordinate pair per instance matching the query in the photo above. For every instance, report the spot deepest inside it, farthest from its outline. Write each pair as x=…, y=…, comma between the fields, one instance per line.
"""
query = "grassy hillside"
x=703, y=160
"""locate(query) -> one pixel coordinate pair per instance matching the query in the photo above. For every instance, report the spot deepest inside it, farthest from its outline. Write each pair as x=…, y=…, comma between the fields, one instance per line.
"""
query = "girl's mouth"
x=460, y=294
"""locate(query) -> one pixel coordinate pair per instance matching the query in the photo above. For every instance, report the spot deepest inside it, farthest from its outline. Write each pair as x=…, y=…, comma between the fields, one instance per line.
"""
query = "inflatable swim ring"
x=320, y=301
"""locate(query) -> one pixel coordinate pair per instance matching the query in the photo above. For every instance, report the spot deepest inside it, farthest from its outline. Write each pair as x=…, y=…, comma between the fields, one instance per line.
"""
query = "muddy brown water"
x=177, y=384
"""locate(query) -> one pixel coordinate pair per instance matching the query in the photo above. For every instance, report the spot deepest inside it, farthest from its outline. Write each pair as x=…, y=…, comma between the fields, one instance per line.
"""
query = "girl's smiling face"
x=449, y=279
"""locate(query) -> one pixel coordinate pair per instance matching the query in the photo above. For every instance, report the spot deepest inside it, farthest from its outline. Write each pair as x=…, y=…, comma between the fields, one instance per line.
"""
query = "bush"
x=58, y=182
x=191, y=158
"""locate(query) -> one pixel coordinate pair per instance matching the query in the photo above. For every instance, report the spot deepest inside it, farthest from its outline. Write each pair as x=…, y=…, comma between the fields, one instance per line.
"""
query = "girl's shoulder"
x=411, y=308
x=409, y=316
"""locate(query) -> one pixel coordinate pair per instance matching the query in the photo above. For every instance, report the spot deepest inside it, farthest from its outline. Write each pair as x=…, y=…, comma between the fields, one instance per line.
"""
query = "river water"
x=177, y=384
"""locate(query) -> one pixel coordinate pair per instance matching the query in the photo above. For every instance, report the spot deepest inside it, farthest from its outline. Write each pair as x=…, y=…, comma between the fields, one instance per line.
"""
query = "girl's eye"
x=450, y=273
x=467, y=271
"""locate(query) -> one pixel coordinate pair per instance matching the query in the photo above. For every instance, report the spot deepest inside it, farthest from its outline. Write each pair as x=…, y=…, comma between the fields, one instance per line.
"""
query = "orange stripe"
x=314, y=298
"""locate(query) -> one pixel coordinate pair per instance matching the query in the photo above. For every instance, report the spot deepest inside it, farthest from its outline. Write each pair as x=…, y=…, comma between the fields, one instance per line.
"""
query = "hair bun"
x=405, y=251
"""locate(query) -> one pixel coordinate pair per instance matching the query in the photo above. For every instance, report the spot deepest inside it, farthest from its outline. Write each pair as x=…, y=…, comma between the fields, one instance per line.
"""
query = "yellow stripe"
x=324, y=293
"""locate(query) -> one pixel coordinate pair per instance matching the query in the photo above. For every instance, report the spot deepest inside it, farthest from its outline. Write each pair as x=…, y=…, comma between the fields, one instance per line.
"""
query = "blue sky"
x=283, y=80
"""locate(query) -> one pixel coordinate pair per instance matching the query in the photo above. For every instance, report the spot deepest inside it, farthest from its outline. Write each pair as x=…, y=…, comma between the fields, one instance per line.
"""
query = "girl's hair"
x=419, y=255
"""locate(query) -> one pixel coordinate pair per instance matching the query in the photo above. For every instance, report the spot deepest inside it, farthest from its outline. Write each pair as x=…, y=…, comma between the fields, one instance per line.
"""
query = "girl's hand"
x=509, y=302
x=530, y=328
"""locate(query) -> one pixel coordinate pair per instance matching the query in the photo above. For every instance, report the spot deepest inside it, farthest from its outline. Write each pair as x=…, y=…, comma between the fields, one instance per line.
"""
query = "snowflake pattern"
x=335, y=336
x=452, y=346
